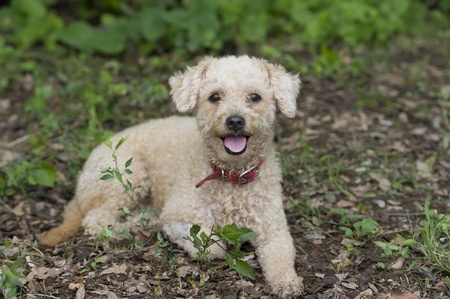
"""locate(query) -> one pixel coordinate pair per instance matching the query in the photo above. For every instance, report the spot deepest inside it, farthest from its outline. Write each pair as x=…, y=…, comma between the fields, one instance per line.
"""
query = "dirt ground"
x=363, y=147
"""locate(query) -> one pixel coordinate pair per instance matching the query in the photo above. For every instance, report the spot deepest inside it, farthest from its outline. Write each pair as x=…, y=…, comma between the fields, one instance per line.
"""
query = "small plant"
x=105, y=237
x=434, y=238
x=201, y=242
x=19, y=175
x=10, y=279
x=355, y=226
x=13, y=270
x=166, y=252
x=114, y=172
x=119, y=175
x=233, y=236
x=431, y=240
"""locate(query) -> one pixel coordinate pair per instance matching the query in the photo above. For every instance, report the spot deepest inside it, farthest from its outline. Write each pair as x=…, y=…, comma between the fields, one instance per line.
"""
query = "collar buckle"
x=242, y=180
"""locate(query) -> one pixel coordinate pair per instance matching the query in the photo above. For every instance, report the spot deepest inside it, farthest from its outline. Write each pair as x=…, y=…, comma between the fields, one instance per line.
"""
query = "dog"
x=217, y=168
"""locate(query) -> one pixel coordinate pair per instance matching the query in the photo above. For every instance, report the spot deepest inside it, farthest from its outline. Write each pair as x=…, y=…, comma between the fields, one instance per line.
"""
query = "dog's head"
x=235, y=100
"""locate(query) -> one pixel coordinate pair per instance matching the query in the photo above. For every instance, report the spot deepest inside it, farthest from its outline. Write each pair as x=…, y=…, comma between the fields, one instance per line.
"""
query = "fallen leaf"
x=111, y=295
x=74, y=286
x=419, y=131
x=184, y=270
x=40, y=272
x=320, y=275
x=19, y=209
x=142, y=287
x=383, y=182
x=341, y=121
x=350, y=285
x=341, y=276
x=81, y=292
x=423, y=170
x=404, y=296
x=398, y=263
x=115, y=269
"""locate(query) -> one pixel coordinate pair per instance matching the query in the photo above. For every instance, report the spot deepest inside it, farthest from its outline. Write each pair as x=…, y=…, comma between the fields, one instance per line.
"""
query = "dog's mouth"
x=235, y=145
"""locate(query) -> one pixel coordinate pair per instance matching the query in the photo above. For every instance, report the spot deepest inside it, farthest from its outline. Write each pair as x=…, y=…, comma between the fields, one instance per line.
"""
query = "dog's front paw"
x=288, y=287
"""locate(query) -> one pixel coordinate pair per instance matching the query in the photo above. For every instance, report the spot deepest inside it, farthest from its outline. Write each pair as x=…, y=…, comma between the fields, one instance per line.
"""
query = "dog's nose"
x=235, y=122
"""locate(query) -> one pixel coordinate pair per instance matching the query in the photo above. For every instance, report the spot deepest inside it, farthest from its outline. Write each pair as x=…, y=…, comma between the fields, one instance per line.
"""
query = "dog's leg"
x=276, y=254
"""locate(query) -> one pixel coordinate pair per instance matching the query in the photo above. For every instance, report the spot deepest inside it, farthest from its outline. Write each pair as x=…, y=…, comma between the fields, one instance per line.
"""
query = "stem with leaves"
x=232, y=236
x=110, y=173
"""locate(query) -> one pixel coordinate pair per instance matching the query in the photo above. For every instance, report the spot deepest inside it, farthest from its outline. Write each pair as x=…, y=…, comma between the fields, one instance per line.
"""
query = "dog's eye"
x=255, y=98
x=215, y=97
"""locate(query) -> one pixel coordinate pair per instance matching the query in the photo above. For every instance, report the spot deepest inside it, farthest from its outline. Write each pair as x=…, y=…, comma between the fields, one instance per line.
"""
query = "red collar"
x=232, y=176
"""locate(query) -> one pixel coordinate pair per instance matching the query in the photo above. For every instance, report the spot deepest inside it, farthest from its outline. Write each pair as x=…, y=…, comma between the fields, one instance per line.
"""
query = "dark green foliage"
x=20, y=175
x=109, y=26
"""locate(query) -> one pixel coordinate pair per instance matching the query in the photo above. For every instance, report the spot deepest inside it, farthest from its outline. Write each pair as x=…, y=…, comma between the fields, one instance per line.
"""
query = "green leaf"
x=106, y=177
x=30, y=8
x=151, y=23
x=230, y=260
x=204, y=237
x=108, y=143
x=366, y=226
x=121, y=141
x=118, y=175
x=247, y=235
x=232, y=234
x=43, y=174
x=108, y=42
x=197, y=242
x=125, y=210
x=243, y=268
x=129, y=162
x=236, y=253
x=195, y=229
x=78, y=35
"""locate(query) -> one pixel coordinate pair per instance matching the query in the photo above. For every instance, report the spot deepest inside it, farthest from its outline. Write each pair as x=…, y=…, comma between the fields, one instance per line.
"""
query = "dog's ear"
x=185, y=87
x=285, y=87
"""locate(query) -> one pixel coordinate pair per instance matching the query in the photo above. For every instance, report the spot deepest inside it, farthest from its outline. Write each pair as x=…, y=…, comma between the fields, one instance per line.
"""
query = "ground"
x=361, y=162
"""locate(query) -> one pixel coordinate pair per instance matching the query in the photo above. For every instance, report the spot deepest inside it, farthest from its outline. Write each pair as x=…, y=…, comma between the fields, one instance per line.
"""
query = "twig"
x=17, y=141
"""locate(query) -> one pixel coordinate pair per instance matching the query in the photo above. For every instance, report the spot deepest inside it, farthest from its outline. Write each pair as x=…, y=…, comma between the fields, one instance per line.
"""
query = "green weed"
x=430, y=240
x=355, y=226
x=232, y=236
x=165, y=250
x=10, y=279
x=14, y=269
x=119, y=175
x=20, y=175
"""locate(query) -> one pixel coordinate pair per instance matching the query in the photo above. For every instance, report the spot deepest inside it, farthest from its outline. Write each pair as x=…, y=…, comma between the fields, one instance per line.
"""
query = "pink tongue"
x=236, y=144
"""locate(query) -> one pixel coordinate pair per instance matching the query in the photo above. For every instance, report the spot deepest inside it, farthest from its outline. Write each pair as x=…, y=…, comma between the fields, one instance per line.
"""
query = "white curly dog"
x=215, y=169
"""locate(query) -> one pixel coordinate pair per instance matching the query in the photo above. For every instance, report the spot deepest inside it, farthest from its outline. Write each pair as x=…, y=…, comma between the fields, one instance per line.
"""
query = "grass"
x=427, y=245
